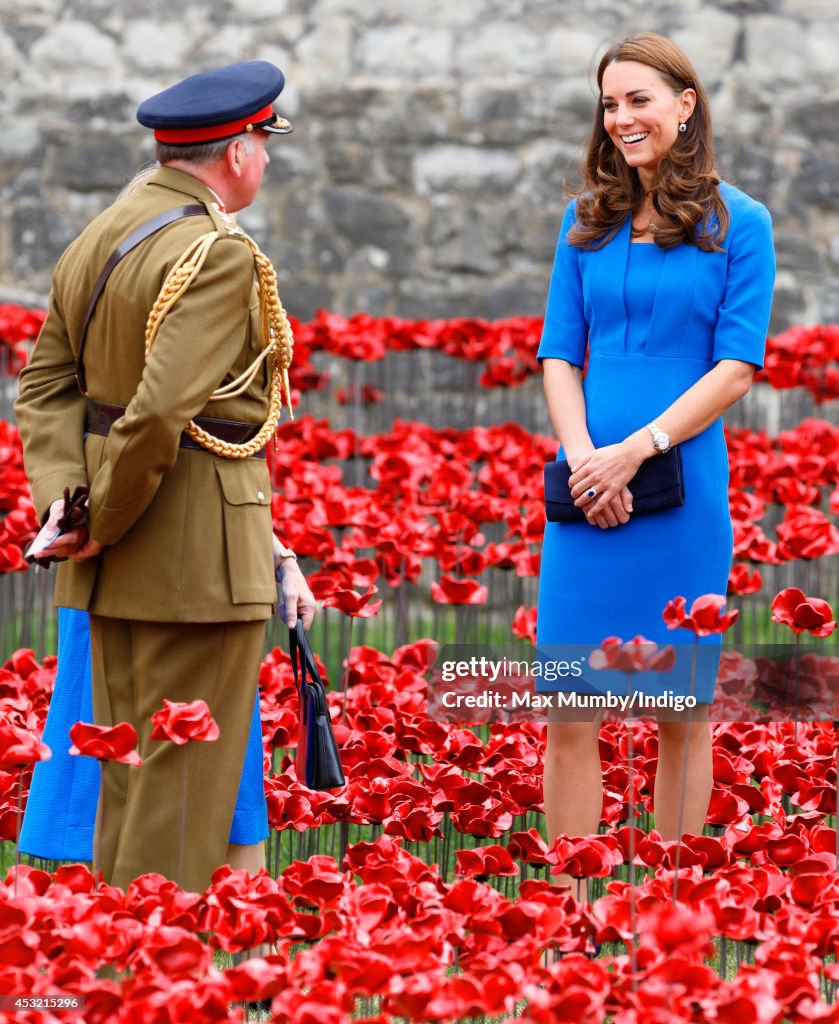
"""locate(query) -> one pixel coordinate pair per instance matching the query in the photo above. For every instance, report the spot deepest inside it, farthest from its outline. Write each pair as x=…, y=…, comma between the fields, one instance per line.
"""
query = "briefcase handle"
x=300, y=650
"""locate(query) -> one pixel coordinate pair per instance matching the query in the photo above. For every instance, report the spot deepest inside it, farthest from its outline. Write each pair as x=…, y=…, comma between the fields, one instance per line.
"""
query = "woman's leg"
x=683, y=744
x=572, y=783
x=250, y=857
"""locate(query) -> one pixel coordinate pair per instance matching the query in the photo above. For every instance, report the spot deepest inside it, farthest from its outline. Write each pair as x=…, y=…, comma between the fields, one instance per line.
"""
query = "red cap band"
x=179, y=136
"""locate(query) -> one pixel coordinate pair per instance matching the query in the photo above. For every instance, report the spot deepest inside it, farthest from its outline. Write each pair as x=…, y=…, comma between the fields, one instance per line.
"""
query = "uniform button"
x=260, y=495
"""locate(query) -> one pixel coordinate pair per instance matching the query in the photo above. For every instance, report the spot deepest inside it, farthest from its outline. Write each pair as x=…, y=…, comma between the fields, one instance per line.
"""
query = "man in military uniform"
x=176, y=565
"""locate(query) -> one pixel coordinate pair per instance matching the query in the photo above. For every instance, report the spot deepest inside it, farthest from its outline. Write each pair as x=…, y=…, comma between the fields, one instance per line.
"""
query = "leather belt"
x=101, y=417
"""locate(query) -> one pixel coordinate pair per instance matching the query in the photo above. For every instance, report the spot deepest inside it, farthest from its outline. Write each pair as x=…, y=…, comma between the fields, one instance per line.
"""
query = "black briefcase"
x=318, y=763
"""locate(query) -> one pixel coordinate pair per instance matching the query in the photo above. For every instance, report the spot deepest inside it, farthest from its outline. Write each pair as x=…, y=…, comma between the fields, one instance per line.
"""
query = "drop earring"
x=683, y=127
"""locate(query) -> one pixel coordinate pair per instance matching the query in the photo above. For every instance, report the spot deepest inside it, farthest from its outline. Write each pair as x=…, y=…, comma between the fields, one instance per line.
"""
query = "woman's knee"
x=680, y=733
x=570, y=739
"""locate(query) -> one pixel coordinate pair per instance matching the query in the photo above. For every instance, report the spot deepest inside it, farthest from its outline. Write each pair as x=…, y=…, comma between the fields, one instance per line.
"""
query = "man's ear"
x=233, y=156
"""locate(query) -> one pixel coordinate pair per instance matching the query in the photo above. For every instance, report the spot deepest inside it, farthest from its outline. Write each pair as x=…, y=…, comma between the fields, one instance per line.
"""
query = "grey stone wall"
x=425, y=174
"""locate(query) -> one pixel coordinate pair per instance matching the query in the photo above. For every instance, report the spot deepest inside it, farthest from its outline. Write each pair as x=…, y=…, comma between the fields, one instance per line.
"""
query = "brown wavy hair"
x=685, y=195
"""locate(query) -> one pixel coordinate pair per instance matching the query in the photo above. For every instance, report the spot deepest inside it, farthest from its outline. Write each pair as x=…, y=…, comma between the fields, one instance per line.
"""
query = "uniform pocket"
x=246, y=494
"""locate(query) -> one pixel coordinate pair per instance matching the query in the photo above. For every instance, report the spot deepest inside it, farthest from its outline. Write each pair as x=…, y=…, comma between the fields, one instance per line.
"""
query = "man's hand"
x=75, y=544
x=296, y=598
x=90, y=549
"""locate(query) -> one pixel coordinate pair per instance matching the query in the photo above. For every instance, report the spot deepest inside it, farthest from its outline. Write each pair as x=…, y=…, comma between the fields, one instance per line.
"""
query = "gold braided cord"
x=277, y=343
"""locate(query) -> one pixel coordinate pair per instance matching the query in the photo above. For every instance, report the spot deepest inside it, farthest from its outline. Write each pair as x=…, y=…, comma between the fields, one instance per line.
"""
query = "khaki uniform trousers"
x=191, y=789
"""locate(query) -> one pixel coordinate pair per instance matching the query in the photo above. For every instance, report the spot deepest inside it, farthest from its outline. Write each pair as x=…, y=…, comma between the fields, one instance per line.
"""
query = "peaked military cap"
x=216, y=105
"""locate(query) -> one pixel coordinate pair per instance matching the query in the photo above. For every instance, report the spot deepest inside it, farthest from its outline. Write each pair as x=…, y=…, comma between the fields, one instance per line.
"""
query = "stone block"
x=820, y=53
x=227, y=43
x=39, y=234
x=322, y=55
x=812, y=10
x=432, y=296
x=747, y=165
x=363, y=11
x=709, y=37
x=21, y=142
x=485, y=104
x=12, y=59
x=795, y=252
x=372, y=220
x=20, y=184
x=817, y=121
x=519, y=294
x=496, y=49
x=789, y=304
x=89, y=163
x=156, y=45
x=104, y=106
x=463, y=238
x=455, y=168
x=565, y=107
x=33, y=12
x=250, y=9
x=69, y=45
x=571, y=51
x=405, y=51
x=773, y=47
x=816, y=180
x=303, y=295
x=348, y=162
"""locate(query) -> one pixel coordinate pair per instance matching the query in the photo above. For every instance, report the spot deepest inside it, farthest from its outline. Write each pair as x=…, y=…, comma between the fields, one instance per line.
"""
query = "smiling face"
x=641, y=114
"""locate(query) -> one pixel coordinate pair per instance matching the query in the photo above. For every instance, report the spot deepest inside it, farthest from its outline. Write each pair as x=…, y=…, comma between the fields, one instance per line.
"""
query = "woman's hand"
x=607, y=471
x=296, y=599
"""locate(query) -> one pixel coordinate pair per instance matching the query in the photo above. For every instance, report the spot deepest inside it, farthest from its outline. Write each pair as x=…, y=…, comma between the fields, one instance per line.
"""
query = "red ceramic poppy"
x=794, y=609
x=524, y=624
x=19, y=748
x=706, y=615
x=636, y=655
x=181, y=722
x=806, y=533
x=458, y=591
x=351, y=603
x=108, y=743
x=743, y=581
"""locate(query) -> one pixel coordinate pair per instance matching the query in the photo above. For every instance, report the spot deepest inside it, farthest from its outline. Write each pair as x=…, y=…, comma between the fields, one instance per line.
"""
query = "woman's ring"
x=591, y=493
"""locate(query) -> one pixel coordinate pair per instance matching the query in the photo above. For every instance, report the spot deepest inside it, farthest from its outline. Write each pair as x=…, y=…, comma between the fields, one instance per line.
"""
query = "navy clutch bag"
x=658, y=485
x=318, y=763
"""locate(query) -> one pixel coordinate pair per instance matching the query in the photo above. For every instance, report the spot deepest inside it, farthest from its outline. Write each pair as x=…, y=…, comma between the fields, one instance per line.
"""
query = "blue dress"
x=58, y=823
x=653, y=322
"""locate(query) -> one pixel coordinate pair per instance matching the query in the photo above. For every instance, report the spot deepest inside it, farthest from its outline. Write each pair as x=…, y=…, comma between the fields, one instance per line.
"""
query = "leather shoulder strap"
x=140, y=234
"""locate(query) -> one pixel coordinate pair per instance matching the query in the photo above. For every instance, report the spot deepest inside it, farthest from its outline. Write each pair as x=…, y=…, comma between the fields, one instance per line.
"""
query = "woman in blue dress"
x=663, y=278
x=60, y=815
x=59, y=821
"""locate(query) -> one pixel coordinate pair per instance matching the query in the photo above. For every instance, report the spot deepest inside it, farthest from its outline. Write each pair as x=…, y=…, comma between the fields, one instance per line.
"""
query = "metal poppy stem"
x=184, y=785
x=346, y=682
x=684, y=785
x=795, y=705
x=18, y=824
x=630, y=758
x=97, y=837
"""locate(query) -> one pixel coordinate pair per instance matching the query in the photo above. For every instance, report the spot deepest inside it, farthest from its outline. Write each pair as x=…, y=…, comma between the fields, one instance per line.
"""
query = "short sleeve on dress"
x=565, y=331
x=744, y=314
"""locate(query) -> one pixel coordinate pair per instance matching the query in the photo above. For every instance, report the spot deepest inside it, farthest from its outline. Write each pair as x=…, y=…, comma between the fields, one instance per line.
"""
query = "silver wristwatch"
x=660, y=439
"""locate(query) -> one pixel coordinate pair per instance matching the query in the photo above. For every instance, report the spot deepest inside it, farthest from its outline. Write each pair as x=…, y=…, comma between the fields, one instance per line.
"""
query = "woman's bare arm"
x=610, y=468
x=567, y=410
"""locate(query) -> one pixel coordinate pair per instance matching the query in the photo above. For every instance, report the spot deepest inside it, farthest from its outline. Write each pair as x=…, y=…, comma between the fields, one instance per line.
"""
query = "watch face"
x=662, y=442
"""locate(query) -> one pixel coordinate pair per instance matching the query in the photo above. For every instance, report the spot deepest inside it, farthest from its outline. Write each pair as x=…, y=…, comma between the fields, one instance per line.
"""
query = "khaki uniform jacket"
x=187, y=534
